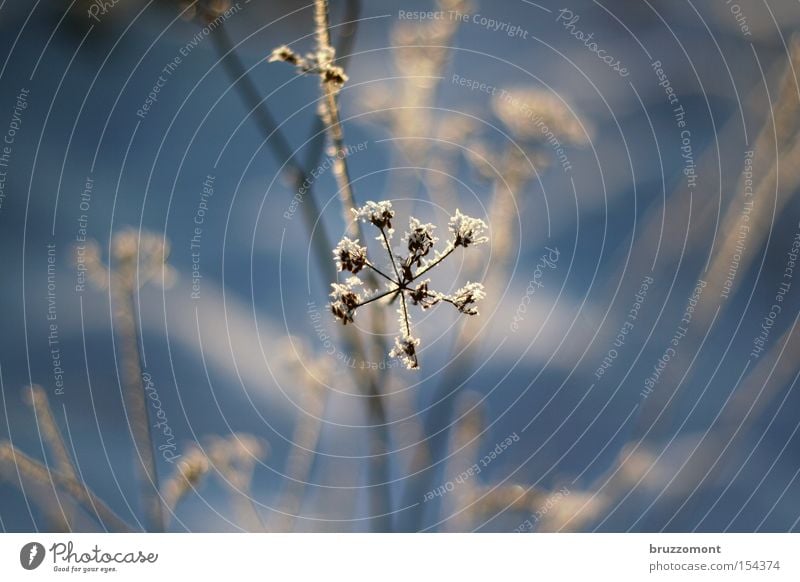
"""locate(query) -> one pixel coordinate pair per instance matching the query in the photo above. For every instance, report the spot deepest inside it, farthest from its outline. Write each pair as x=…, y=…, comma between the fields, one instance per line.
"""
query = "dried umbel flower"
x=404, y=281
x=513, y=167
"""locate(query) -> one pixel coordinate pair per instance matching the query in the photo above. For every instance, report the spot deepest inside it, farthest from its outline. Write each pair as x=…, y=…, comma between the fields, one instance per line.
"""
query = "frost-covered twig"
x=332, y=77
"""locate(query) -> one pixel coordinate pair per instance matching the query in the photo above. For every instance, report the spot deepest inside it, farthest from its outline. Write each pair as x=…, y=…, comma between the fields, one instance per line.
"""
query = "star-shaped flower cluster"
x=404, y=281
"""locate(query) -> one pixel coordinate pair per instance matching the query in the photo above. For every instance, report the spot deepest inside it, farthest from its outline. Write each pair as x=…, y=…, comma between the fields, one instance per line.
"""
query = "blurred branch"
x=37, y=473
x=37, y=398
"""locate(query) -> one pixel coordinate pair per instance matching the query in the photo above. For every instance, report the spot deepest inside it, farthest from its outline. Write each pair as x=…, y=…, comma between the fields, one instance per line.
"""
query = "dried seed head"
x=467, y=230
x=345, y=300
x=379, y=214
x=405, y=348
x=424, y=297
x=333, y=75
x=420, y=240
x=465, y=299
x=319, y=63
x=286, y=55
x=350, y=256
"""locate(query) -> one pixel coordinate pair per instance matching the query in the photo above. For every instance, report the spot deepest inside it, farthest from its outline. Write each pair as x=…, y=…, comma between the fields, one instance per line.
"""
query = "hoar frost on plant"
x=405, y=280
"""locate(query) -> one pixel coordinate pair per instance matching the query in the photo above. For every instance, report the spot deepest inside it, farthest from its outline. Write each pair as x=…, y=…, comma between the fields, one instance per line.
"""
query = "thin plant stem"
x=189, y=471
x=381, y=273
x=462, y=354
x=134, y=393
x=433, y=264
x=301, y=460
x=331, y=116
x=52, y=436
x=320, y=241
x=391, y=256
x=381, y=296
x=405, y=314
x=380, y=473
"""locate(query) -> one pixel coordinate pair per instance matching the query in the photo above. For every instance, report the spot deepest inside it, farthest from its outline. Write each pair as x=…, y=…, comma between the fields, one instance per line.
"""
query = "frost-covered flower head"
x=405, y=348
x=350, y=256
x=379, y=214
x=467, y=230
x=403, y=279
x=345, y=300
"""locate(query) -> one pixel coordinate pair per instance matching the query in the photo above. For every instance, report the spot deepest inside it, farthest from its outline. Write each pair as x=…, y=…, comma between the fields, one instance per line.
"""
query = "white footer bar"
x=400, y=557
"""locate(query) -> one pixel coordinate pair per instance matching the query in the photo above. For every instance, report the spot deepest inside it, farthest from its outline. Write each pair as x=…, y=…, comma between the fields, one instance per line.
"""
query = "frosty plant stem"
x=330, y=108
x=135, y=259
x=406, y=283
x=332, y=77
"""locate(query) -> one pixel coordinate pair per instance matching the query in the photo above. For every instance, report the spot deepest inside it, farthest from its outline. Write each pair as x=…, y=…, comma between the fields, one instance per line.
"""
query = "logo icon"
x=31, y=555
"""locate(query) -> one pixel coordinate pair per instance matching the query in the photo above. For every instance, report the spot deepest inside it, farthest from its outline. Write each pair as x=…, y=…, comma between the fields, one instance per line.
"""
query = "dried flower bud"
x=350, y=256
x=467, y=230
